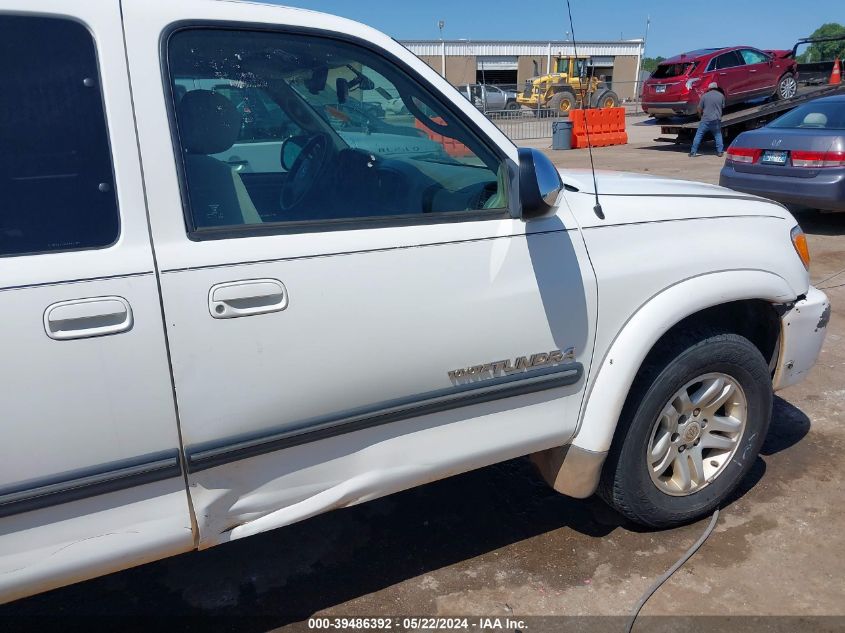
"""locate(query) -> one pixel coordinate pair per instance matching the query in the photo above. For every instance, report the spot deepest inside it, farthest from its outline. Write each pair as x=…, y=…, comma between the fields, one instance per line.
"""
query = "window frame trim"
x=199, y=234
x=105, y=120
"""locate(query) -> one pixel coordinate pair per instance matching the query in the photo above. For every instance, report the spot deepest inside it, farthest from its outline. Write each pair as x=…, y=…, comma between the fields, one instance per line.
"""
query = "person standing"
x=710, y=110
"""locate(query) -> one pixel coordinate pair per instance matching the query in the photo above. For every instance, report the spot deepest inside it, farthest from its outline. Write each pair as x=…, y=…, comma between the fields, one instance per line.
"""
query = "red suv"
x=742, y=73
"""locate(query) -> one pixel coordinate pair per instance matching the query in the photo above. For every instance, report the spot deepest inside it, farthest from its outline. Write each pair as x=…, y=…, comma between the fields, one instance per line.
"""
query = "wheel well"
x=755, y=319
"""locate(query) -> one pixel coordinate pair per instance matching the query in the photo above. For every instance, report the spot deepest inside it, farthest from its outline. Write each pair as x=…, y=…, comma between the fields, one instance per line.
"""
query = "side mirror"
x=539, y=184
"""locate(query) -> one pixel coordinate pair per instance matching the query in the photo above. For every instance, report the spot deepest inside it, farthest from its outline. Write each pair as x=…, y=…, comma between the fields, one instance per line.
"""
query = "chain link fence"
x=524, y=123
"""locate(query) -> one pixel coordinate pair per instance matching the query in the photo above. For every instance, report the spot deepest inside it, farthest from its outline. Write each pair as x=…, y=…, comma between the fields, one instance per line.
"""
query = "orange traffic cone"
x=836, y=75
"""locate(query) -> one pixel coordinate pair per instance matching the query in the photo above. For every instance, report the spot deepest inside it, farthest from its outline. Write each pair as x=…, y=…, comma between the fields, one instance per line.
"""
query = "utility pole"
x=640, y=58
x=440, y=25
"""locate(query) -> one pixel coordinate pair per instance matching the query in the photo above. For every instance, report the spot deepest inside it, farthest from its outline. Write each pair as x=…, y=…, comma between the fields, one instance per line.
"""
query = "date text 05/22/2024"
x=417, y=624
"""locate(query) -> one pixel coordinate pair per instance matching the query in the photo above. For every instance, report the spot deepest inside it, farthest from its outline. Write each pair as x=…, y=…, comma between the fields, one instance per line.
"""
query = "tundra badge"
x=520, y=364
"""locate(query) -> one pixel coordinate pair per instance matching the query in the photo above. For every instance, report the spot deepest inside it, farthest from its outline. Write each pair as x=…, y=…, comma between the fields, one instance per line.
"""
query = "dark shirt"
x=711, y=105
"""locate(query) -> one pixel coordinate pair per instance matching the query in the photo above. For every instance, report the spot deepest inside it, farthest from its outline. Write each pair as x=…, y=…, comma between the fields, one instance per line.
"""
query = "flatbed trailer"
x=682, y=130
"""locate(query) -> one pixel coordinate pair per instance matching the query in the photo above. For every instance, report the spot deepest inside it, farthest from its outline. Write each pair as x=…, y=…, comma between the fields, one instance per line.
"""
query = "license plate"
x=660, y=88
x=774, y=157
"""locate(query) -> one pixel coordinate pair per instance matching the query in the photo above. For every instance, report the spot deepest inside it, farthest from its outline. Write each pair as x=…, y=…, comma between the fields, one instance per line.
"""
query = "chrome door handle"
x=87, y=318
x=752, y=70
x=247, y=298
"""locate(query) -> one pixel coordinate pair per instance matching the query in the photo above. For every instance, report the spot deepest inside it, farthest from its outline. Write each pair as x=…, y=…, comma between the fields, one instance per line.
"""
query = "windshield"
x=824, y=115
x=356, y=110
x=673, y=70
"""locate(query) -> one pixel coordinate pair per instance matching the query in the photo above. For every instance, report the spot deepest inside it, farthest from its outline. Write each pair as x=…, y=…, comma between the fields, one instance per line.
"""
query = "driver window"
x=280, y=128
x=753, y=57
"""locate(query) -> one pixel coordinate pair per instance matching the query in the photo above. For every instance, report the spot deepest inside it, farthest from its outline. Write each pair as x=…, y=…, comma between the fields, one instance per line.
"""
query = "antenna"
x=597, y=209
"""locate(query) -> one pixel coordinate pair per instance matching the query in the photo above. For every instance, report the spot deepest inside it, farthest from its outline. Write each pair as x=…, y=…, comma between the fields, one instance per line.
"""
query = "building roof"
x=523, y=47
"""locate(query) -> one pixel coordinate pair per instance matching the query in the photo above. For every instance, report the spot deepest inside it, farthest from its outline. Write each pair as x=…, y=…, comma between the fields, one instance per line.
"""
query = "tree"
x=825, y=51
x=650, y=63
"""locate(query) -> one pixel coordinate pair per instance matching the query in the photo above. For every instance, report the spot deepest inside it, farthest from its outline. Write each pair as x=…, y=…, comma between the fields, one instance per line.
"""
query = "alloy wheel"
x=788, y=87
x=697, y=434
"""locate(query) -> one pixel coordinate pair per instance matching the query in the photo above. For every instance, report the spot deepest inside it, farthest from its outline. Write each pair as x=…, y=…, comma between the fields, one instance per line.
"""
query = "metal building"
x=512, y=62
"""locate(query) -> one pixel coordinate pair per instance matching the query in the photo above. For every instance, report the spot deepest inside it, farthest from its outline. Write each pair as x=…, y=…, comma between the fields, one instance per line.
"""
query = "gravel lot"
x=497, y=542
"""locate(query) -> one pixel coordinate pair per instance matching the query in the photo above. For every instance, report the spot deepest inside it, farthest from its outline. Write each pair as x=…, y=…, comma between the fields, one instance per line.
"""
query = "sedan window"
x=825, y=115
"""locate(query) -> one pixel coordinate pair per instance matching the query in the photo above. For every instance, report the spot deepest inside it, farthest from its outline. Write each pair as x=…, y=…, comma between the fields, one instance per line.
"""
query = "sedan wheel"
x=787, y=87
x=697, y=434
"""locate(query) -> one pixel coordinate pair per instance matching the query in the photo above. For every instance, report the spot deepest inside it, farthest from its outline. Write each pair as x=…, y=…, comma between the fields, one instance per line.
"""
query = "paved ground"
x=497, y=542
x=643, y=154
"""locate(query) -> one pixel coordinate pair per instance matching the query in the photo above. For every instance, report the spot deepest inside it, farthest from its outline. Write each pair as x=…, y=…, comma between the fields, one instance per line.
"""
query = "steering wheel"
x=305, y=172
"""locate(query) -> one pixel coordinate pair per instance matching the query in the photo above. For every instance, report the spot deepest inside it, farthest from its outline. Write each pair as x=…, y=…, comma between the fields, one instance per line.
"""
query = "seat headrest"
x=815, y=119
x=208, y=122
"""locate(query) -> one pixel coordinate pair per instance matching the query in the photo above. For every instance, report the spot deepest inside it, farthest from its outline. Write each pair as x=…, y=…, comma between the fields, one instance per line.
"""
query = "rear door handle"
x=247, y=298
x=87, y=318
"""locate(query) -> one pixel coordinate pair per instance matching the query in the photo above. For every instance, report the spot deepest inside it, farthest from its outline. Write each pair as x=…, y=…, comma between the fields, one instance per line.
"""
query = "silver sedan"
x=797, y=159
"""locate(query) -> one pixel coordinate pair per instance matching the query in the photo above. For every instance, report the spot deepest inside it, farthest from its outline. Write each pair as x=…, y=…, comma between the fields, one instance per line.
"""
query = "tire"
x=787, y=87
x=512, y=105
x=563, y=102
x=605, y=99
x=639, y=490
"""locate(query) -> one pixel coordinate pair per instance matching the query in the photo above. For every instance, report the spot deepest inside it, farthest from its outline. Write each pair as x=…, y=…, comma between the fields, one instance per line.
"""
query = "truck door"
x=495, y=98
x=382, y=321
x=90, y=478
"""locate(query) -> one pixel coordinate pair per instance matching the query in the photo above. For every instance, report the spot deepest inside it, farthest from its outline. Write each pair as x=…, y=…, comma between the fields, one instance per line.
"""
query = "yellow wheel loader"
x=568, y=87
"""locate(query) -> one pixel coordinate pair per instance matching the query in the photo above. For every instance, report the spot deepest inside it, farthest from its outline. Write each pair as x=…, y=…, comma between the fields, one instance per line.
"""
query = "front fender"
x=653, y=319
x=575, y=469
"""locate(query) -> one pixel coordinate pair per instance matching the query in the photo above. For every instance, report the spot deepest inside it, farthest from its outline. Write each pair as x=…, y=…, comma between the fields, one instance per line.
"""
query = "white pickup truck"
x=238, y=292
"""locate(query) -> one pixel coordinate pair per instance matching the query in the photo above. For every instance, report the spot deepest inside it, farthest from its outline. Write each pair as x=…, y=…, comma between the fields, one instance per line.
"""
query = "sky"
x=676, y=25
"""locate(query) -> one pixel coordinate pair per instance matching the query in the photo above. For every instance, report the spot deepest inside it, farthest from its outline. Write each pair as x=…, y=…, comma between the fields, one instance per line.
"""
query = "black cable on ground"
x=659, y=582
